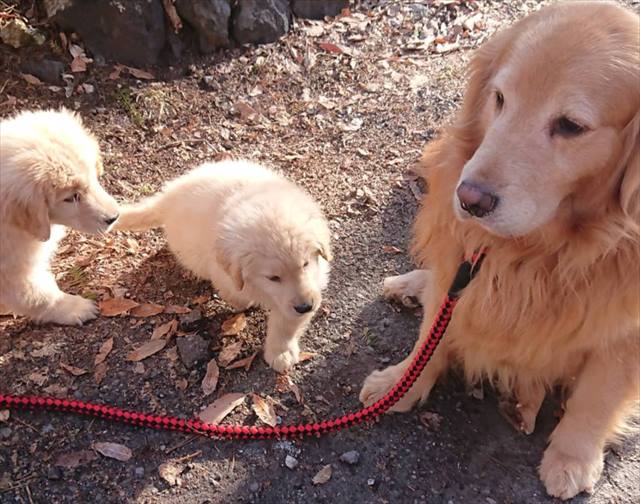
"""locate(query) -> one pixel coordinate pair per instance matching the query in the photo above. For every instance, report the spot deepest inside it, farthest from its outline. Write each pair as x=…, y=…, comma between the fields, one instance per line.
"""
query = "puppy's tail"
x=141, y=216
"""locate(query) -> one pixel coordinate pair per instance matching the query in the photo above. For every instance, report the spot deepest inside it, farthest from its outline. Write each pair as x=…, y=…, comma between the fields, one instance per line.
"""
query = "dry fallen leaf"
x=323, y=475
x=116, y=306
x=72, y=460
x=100, y=372
x=264, y=410
x=198, y=300
x=4, y=415
x=113, y=450
x=38, y=378
x=79, y=63
x=431, y=420
x=31, y=79
x=56, y=390
x=115, y=74
x=390, y=249
x=177, y=309
x=329, y=47
x=210, y=380
x=229, y=353
x=221, y=407
x=165, y=330
x=246, y=111
x=170, y=472
x=140, y=74
x=245, y=363
x=182, y=384
x=104, y=351
x=233, y=325
x=147, y=310
x=305, y=356
x=149, y=348
x=75, y=371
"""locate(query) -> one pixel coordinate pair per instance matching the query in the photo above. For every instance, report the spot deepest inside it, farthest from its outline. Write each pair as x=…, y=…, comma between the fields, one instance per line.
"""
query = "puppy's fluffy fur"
x=49, y=168
x=557, y=300
x=255, y=235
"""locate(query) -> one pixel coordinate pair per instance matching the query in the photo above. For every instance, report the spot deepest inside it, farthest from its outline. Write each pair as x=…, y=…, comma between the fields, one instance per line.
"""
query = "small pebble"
x=47, y=428
x=139, y=471
x=351, y=457
x=291, y=462
x=254, y=487
x=491, y=501
x=371, y=482
x=54, y=473
x=5, y=433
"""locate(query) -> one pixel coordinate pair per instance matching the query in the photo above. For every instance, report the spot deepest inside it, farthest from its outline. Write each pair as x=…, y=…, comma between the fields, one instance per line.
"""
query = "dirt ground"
x=343, y=108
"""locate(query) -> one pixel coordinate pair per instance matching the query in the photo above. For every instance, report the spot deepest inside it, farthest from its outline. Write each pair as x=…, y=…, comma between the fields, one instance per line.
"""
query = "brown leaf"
x=210, y=380
x=305, y=356
x=170, y=472
x=264, y=410
x=431, y=420
x=390, y=249
x=79, y=64
x=38, y=378
x=172, y=14
x=329, y=47
x=104, y=351
x=31, y=79
x=177, y=309
x=75, y=371
x=4, y=415
x=233, y=325
x=221, y=407
x=182, y=384
x=115, y=74
x=229, y=353
x=245, y=363
x=149, y=348
x=72, y=460
x=246, y=111
x=113, y=450
x=165, y=330
x=140, y=74
x=116, y=306
x=323, y=475
x=285, y=384
x=198, y=300
x=147, y=310
x=56, y=390
x=100, y=372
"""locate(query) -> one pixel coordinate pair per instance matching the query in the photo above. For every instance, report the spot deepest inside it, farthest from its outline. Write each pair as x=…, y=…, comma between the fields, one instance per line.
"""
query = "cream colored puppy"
x=49, y=168
x=255, y=235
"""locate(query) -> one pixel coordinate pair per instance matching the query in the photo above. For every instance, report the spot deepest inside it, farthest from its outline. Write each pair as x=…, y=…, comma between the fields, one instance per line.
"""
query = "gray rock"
x=209, y=19
x=5, y=433
x=260, y=21
x=351, y=457
x=189, y=320
x=46, y=70
x=314, y=9
x=291, y=462
x=139, y=472
x=131, y=32
x=54, y=473
x=17, y=33
x=193, y=349
x=254, y=487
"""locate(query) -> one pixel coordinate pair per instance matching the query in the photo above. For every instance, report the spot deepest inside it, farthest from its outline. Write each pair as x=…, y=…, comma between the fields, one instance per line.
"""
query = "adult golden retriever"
x=542, y=166
x=255, y=235
x=49, y=168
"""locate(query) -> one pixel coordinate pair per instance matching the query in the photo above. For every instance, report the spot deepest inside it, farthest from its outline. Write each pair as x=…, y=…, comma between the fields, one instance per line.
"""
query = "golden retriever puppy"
x=49, y=168
x=255, y=235
x=542, y=166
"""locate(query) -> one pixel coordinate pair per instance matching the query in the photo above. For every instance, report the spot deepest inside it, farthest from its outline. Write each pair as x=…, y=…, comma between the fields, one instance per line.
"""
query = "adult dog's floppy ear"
x=30, y=214
x=629, y=163
x=231, y=266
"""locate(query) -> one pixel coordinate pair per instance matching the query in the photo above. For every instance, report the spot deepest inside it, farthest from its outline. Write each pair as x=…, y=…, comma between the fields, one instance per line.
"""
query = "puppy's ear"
x=30, y=214
x=629, y=163
x=231, y=266
x=322, y=237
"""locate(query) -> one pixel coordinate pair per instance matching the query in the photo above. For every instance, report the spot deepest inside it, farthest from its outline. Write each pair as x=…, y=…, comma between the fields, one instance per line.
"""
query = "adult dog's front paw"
x=406, y=288
x=71, y=310
x=565, y=475
x=282, y=360
x=378, y=383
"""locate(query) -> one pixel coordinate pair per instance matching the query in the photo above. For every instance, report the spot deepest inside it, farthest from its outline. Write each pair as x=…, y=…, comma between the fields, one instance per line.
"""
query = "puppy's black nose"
x=303, y=308
x=111, y=220
x=476, y=200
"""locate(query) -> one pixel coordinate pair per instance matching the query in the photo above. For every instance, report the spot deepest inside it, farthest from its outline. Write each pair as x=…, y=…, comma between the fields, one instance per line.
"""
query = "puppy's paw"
x=378, y=383
x=565, y=475
x=71, y=310
x=282, y=361
x=405, y=288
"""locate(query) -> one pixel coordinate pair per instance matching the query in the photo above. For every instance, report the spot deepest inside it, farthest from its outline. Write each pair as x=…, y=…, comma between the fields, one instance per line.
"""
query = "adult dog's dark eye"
x=274, y=278
x=74, y=198
x=499, y=100
x=566, y=127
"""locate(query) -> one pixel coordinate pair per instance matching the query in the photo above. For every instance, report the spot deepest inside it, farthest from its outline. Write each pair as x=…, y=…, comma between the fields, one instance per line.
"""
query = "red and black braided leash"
x=465, y=274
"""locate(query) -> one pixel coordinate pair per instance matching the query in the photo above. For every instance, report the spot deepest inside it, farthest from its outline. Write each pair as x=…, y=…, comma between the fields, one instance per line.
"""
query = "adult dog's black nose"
x=303, y=308
x=111, y=220
x=476, y=200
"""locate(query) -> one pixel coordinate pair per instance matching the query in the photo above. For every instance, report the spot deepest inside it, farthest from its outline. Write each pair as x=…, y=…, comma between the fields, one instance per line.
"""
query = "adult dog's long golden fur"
x=549, y=128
